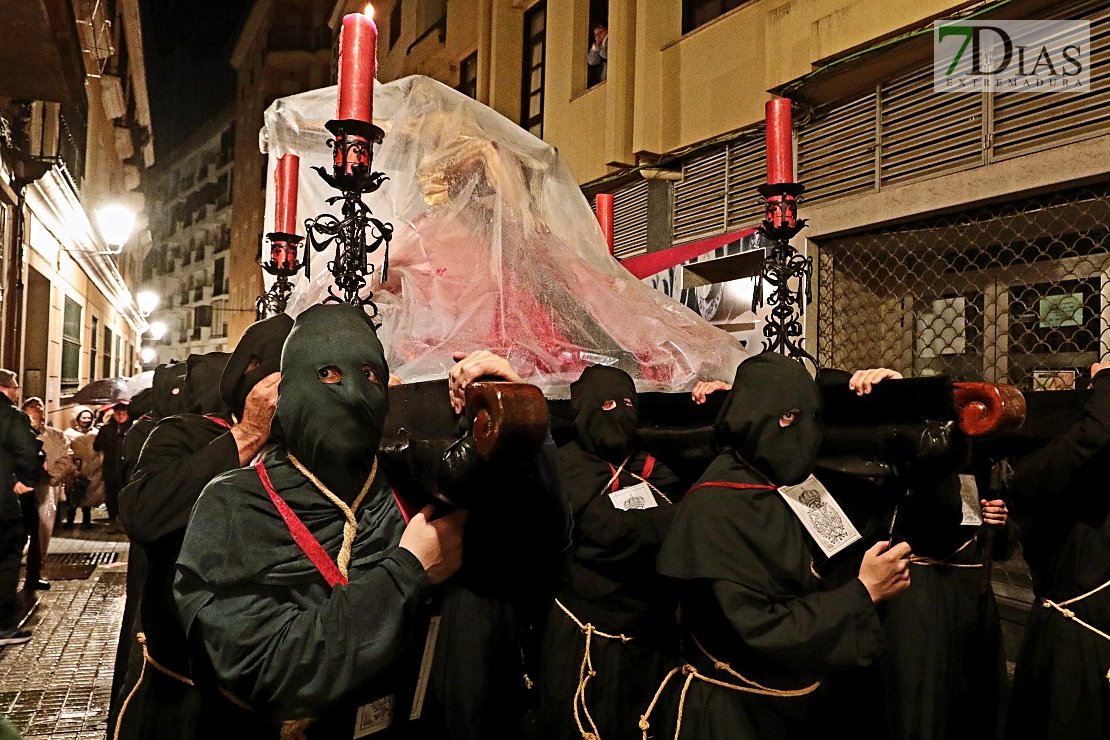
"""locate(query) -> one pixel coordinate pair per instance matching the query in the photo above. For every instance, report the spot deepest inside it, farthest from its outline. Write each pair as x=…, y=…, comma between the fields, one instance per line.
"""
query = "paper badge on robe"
x=969, y=501
x=634, y=497
x=822, y=517
x=374, y=717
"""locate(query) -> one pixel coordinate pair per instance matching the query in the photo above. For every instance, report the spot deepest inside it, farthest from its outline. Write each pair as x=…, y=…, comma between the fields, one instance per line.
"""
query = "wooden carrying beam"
x=986, y=409
x=506, y=419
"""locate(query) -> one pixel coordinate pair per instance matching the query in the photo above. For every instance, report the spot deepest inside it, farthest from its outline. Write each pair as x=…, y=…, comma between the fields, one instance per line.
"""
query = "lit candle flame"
x=369, y=10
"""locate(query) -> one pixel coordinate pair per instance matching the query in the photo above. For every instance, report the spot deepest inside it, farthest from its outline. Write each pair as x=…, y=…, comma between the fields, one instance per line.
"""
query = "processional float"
x=887, y=434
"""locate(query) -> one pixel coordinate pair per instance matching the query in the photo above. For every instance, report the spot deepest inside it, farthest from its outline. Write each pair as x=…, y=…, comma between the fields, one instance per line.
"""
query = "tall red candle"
x=358, y=63
x=285, y=193
x=780, y=145
x=605, y=217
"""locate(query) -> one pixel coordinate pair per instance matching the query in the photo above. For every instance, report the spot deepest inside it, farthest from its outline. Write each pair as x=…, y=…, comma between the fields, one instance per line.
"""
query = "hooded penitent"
x=202, y=383
x=767, y=387
x=167, y=390
x=332, y=400
x=257, y=355
x=605, y=412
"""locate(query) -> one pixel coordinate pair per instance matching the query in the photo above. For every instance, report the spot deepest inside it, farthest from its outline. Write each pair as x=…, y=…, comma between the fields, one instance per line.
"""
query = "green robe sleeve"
x=299, y=650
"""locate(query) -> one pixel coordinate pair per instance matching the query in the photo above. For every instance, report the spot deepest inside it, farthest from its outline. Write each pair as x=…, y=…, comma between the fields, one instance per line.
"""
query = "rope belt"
x=586, y=672
x=147, y=659
x=1062, y=608
x=691, y=672
x=922, y=560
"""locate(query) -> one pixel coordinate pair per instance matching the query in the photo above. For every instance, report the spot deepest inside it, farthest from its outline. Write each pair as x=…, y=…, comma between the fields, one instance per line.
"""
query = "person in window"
x=598, y=56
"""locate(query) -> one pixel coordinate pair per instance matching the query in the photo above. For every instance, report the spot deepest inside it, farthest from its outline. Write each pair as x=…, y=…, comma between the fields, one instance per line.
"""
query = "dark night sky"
x=187, y=45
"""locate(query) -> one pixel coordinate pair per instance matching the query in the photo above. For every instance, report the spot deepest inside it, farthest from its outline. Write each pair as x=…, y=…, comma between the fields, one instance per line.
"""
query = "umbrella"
x=139, y=382
x=100, y=392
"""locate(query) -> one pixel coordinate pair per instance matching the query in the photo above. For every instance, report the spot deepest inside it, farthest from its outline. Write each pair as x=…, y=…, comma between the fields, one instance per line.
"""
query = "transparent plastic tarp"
x=494, y=247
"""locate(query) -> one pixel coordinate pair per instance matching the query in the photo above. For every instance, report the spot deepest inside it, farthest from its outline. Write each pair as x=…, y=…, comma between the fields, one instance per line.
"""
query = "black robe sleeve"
x=298, y=660
x=180, y=457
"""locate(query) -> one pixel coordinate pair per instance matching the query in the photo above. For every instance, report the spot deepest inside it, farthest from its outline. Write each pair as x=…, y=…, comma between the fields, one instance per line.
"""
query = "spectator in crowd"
x=109, y=440
x=86, y=489
x=59, y=470
x=21, y=466
x=598, y=56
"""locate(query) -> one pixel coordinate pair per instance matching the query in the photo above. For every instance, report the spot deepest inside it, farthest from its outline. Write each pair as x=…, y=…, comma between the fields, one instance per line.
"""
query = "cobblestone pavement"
x=57, y=685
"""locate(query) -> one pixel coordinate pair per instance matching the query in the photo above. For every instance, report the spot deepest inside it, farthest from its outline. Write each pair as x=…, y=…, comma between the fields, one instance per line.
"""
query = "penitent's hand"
x=472, y=366
x=436, y=543
x=21, y=489
x=994, y=512
x=705, y=387
x=862, y=380
x=253, y=429
x=885, y=570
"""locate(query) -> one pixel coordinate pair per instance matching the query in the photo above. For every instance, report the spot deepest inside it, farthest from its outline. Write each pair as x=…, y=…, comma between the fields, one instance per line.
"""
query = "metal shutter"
x=926, y=133
x=630, y=220
x=1025, y=123
x=836, y=153
x=699, y=199
x=747, y=170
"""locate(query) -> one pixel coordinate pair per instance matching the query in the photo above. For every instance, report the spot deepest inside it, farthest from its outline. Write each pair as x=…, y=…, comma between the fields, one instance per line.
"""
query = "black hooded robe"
x=166, y=399
x=944, y=667
x=182, y=454
x=749, y=595
x=1061, y=513
x=610, y=580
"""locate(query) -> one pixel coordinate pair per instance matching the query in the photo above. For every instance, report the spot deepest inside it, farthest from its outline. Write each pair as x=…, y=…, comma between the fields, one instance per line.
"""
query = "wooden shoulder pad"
x=506, y=418
x=988, y=408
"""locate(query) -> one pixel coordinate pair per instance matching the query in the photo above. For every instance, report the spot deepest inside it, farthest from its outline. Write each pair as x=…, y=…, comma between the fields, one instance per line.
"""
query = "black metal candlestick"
x=283, y=265
x=788, y=273
x=357, y=234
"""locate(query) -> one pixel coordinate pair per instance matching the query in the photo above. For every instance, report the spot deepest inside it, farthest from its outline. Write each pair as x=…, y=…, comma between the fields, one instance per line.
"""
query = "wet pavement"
x=58, y=685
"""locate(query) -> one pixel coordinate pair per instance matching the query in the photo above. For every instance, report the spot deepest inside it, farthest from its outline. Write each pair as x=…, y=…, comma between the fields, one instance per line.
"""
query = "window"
x=535, y=48
x=395, y=24
x=219, y=281
x=92, y=348
x=468, y=76
x=71, y=345
x=202, y=316
x=219, y=319
x=107, y=353
x=130, y=358
x=597, y=43
x=119, y=355
x=699, y=12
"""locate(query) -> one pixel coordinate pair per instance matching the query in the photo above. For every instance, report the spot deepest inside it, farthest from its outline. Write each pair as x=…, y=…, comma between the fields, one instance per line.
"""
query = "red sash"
x=649, y=465
x=309, y=545
x=725, y=484
x=217, y=420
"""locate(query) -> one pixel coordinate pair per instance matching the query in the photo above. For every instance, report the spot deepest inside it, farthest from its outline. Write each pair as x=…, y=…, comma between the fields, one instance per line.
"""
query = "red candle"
x=605, y=217
x=780, y=146
x=285, y=193
x=358, y=63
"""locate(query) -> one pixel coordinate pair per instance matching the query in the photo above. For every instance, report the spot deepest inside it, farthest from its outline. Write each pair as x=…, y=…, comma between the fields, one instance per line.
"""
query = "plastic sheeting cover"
x=494, y=247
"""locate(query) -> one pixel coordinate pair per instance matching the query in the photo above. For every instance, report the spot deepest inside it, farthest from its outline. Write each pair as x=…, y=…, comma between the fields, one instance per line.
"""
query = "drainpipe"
x=485, y=48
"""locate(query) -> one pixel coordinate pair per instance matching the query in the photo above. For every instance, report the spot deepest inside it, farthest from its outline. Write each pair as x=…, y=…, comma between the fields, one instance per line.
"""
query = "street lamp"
x=148, y=301
x=115, y=224
x=157, y=330
x=148, y=355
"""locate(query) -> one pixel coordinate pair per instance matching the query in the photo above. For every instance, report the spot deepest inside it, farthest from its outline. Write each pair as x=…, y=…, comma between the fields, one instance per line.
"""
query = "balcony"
x=298, y=38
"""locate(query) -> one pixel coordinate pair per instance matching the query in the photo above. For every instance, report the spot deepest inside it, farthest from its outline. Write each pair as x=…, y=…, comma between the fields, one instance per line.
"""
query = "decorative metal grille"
x=1015, y=293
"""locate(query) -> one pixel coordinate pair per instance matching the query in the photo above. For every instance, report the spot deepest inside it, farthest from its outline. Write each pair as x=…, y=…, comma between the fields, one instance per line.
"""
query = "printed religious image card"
x=822, y=517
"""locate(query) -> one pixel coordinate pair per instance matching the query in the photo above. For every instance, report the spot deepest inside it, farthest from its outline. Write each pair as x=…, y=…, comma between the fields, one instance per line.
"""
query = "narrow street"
x=58, y=684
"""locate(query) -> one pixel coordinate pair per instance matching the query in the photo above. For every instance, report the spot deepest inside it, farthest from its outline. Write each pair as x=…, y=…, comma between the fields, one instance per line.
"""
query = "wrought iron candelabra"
x=355, y=235
x=787, y=273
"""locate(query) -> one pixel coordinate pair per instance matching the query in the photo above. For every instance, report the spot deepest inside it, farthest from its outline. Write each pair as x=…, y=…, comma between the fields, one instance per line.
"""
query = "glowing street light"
x=115, y=224
x=148, y=301
x=157, y=330
x=148, y=355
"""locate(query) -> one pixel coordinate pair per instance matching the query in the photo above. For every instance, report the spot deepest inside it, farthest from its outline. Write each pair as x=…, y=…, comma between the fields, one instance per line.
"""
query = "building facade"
x=285, y=48
x=75, y=138
x=188, y=264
